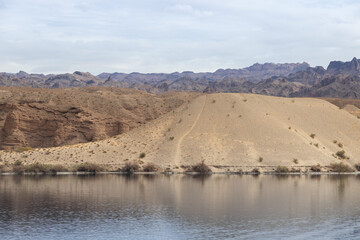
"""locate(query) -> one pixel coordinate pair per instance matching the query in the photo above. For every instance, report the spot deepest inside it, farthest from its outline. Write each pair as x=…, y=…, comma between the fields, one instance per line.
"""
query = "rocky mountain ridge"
x=339, y=79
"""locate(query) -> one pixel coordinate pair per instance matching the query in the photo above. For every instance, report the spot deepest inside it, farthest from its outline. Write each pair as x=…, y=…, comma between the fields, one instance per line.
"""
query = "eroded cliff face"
x=49, y=118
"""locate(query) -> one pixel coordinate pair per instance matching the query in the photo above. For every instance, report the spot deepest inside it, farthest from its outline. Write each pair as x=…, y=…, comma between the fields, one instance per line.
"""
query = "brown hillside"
x=35, y=117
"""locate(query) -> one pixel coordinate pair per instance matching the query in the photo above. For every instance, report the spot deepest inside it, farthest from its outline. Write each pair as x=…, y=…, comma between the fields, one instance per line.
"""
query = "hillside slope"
x=32, y=117
x=227, y=131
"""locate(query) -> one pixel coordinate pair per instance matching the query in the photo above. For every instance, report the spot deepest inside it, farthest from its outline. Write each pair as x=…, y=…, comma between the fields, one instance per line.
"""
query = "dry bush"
x=57, y=168
x=23, y=149
x=142, y=155
x=316, y=168
x=312, y=135
x=357, y=166
x=341, y=167
x=281, y=169
x=89, y=167
x=256, y=171
x=130, y=168
x=200, y=168
x=341, y=154
x=295, y=160
x=150, y=167
x=37, y=168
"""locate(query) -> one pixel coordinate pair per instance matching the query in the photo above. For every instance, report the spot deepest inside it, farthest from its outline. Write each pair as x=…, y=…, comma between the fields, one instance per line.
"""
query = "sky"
x=47, y=36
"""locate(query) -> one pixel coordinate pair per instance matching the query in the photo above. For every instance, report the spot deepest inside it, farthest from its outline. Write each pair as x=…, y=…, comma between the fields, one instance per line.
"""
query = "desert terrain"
x=229, y=132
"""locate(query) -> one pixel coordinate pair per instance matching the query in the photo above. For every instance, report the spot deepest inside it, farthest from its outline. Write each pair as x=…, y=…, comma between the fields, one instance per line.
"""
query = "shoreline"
x=178, y=173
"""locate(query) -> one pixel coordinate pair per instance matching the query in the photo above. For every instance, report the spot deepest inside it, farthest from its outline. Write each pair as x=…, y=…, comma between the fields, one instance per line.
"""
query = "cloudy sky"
x=97, y=36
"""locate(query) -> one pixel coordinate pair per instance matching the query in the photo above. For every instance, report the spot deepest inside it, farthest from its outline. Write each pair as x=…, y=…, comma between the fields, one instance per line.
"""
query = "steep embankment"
x=227, y=131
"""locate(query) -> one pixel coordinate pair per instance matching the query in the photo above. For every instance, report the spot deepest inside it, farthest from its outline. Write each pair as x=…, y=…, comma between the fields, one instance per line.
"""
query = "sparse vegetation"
x=142, y=155
x=89, y=167
x=200, y=168
x=37, y=168
x=357, y=166
x=341, y=154
x=340, y=145
x=295, y=160
x=255, y=171
x=17, y=163
x=171, y=138
x=281, y=169
x=316, y=145
x=260, y=159
x=312, y=135
x=23, y=149
x=340, y=167
x=335, y=141
x=214, y=101
x=130, y=168
x=316, y=168
x=150, y=167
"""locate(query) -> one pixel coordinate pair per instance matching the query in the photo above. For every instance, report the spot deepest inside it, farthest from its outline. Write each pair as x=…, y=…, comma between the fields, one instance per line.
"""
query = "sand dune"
x=228, y=131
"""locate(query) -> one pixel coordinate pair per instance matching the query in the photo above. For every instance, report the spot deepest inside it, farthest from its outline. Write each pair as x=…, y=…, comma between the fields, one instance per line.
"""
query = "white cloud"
x=173, y=35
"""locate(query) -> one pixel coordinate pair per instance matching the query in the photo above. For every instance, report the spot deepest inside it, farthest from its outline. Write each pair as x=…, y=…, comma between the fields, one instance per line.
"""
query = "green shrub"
x=142, y=155
x=281, y=169
x=341, y=167
x=260, y=159
x=295, y=160
x=255, y=171
x=200, y=168
x=171, y=138
x=312, y=135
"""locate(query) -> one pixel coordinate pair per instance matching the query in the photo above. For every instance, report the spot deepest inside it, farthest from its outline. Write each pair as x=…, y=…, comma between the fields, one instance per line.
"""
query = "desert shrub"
x=57, y=168
x=200, y=168
x=281, y=169
x=17, y=163
x=213, y=101
x=312, y=135
x=255, y=171
x=357, y=166
x=316, y=145
x=260, y=159
x=335, y=141
x=37, y=168
x=150, y=167
x=89, y=167
x=340, y=145
x=340, y=167
x=295, y=160
x=341, y=154
x=1, y=168
x=315, y=168
x=142, y=155
x=18, y=169
x=130, y=168
x=171, y=138
x=295, y=170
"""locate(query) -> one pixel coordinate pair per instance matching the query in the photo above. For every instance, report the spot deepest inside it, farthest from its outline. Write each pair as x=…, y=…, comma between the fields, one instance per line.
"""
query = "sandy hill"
x=227, y=131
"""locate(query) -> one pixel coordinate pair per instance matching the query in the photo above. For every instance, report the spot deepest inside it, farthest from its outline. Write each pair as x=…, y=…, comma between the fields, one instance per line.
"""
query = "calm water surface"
x=179, y=207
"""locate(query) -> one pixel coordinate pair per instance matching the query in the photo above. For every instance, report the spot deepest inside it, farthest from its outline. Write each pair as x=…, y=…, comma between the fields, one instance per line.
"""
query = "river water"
x=180, y=207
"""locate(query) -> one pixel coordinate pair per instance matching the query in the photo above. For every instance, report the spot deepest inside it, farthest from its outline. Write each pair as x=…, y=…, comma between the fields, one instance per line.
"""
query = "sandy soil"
x=228, y=131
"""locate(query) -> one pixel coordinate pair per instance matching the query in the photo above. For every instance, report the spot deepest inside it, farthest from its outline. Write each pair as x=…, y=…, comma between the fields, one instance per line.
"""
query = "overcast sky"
x=168, y=35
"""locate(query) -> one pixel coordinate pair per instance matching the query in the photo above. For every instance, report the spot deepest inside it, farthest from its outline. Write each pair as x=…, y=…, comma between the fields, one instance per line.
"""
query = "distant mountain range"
x=340, y=79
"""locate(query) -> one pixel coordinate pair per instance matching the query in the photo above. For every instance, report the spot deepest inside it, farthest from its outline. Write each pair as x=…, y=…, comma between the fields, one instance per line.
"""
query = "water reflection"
x=178, y=206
